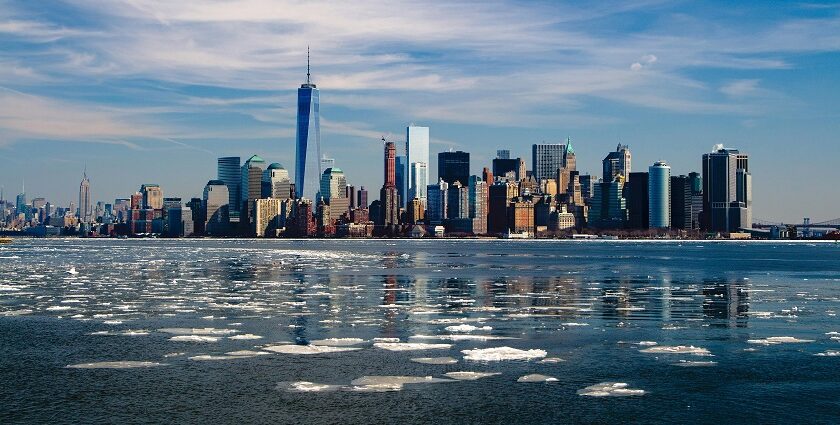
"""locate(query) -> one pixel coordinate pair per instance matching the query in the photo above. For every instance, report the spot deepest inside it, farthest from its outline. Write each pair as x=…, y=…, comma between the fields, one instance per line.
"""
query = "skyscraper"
x=686, y=201
x=505, y=167
x=388, y=197
x=727, y=190
x=659, y=198
x=229, y=172
x=416, y=152
x=546, y=158
x=333, y=184
x=276, y=183
x=503, y=154
x=250, y=187
x=617, y=164
x=454, y=166
x=308, y=139
x=608, y=208
x=85, y=206
x=437, y=202
x=401, y=177
x=478, y=204
x=457, y=203
x=216, y=203
x=362, y=198
x=637, y=193
x=152, y=196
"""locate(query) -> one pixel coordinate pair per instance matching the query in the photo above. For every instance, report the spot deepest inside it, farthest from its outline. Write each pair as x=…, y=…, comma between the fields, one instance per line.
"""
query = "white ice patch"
x=246, y=353
x=386, y=340
x=552, y=360
x=470, y=376
x=194, y=338
x=198, y=331
x=115, y=365
x=410, y=346
x=128, y=332
x=829, y=353
x=307, y=349
x=610, y=389
x=306, y=387
x=775, y=340
x=391, y=383
x=463, y=337
x=536, y=377
x=206, y=357
x=338, y=342
x=647, y=343
x=677, y=349
x=467, y=328
x=575, y=324
x=245, y=337
x=688, y=363
x=502, y=353
x=435, y=360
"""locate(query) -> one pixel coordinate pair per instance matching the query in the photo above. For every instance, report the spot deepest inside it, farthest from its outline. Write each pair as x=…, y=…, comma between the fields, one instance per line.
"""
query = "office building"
x=276, y=182
x=521, y=216
x=478, y=197
x=637, y=193
x=350, y=194
x=267, y=217
x=503, y=154
x=401, y=178
x=333, y=184
x=152, y=196
x=362, y=198
x=608, y=208
x=229, y=171
x=546, y=159
x=659, y=199
x=454, y=166
x=250, y=187
x=617, y=164
x=509, y=168
x=417, y=162
x=416, y=211
x=499, y=195
x=437, y=202
x=727, y=190
x=308, y=139
x=85, y=203
x=457, y=202
x=388, y=196
x=216, y=208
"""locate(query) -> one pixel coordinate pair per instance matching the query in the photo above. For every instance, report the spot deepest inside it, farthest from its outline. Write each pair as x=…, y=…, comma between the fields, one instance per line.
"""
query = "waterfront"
x=222, y=328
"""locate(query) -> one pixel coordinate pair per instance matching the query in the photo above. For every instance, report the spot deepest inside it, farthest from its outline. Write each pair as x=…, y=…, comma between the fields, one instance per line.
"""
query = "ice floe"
x=410, y=346
x=307, y=387
x=245, y=337
x=463, y=337
x=194, y=338
x=677, y=349
x=307, y=349
x=338, y=342
x=536, y=377
x=552, y=360
x=829, y=353
x=435, y=360
x=115, y=365
x=391, y=383
x=470, y=376
x=198, y=331
x=128, y=332
x=502, y=353
x=467, y=328
x=386, y=340
x=774, y=340
x=610, y=389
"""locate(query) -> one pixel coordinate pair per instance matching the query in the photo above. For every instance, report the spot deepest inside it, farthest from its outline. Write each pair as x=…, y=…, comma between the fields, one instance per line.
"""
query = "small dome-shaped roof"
x=215, y=183
x=276, y=166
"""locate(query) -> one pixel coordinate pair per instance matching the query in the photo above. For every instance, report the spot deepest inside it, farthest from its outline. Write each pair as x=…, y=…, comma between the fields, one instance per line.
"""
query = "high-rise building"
x=276, y=182
x=417, y=162
x=216, y=206
x=587, y=186
x=388, y=197
x=659, y=189
x=327, y=162
x=250, y=187
x=229, y=171
x=500, y=194
x=478, y=204
x=362, y=201
x=521, y=216
x=401, y=178
x=684, y=208
x=437, y=202
x=617, y=164
x=350, y=194
x=546, y=159
x=416, y=211
x=608, y=208
x=503, y=154
x=333, y=184
x=267, y=217
x=637, y=193
x=457, y=203
x=454, y=166
x=308, y=139
x=509, y=168
x=85, y=207
x=727, y=190
x=152, y=196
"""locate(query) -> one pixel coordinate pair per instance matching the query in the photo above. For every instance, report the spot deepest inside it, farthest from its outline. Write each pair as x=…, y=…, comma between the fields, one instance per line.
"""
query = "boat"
x=6, y=240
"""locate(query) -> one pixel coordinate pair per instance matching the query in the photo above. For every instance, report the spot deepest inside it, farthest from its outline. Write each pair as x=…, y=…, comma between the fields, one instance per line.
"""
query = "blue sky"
x=153, y=91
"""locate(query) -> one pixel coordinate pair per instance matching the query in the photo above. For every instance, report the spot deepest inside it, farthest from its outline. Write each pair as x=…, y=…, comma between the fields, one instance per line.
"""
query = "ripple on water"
x=127, y=364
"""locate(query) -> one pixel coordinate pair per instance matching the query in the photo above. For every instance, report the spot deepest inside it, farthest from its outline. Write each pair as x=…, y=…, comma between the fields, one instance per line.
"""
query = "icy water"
x=364, y=331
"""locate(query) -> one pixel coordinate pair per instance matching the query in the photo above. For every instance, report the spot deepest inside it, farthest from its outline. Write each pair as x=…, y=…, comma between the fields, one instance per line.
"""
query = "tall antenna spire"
x=84, y=173
x=307, y=65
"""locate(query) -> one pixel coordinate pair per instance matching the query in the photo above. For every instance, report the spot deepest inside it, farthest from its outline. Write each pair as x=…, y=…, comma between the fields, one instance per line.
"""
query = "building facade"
x=308, y=139
x=454, y=166
x=659, y=198
x=727, y=190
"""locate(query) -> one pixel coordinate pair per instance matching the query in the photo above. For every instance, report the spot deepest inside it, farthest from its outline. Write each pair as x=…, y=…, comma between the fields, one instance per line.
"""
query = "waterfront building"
x=637, y=193
x=179, y=222
x=562, y=220
x=152, y=196
x=250, y=187
x=478, y=197
x=276, y=182
x=727, y=190
x=608, y=208
x=267, y=217
x=500, y=194
x=362, y=198
x=617, y=163
x=521, y=216
x=546, y=159
x=388, y=196
x=454, y=166
x=659, y=199
x=216, y=206
x=308, y=139
x=401, y=178
x=333, y=184
x=457, y=202
x=416, y=211
x=417, y=162
x=85, y=207
x=229, y=171
x=437, y=202
x=509, y=168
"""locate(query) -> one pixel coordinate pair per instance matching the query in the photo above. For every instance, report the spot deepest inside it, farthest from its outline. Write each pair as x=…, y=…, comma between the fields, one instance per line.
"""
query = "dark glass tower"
x=454, y=166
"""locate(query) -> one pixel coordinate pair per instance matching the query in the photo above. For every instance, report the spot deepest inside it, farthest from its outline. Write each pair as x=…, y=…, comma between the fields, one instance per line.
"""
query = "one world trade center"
x=308, y=153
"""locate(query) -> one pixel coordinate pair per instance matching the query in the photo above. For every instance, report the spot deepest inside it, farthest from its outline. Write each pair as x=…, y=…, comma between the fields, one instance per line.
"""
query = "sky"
x=143, y=91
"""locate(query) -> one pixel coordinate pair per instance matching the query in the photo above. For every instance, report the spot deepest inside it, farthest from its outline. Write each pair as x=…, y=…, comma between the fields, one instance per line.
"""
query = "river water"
x=403, y=331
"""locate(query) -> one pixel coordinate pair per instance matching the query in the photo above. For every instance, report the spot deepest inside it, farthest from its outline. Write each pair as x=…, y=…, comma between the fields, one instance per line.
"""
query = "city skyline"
x=72, y=97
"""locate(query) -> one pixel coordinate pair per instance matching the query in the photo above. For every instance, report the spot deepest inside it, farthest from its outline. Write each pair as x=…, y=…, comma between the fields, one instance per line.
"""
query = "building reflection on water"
x=725, y=302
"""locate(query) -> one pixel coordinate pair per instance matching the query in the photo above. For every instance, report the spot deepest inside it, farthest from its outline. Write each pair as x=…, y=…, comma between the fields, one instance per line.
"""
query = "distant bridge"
x=806, y=224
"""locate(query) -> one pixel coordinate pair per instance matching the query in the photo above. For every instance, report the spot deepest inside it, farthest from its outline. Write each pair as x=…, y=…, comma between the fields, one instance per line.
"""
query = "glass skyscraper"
x=659, y=195
x=416, y=152
x=229, y=172
x=546, y=159
x=308, y=140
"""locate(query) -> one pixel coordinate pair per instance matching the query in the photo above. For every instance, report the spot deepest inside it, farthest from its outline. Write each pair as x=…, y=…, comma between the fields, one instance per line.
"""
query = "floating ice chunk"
x=115, y=365
x=391, y=383
x=435, y=360
x=774, y=340
x=128, y=332
x=536, y=377
x=339, y=342
x=469, y=376
x=307, y=387
x=194, y=338
x=198, y=331
x=552, y=360
x=72, y=270
x=467, y=328
x=610, y=389
x=677, y=349
x=828, y=353
x=688, y=363
x=386, y=340
x=59, y=308
x=113, y=322
x=647, y=343
x=206, y=357
x=247, y=353
x=462, y=337
x=307, y=349
x=502, y=353
x=245, y=336
x=575, y=324
x=173, y=355
x=410, y=346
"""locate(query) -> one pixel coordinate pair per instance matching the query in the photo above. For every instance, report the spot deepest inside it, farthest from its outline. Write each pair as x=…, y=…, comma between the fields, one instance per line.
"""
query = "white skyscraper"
x=85, y=206
x=416, y=151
